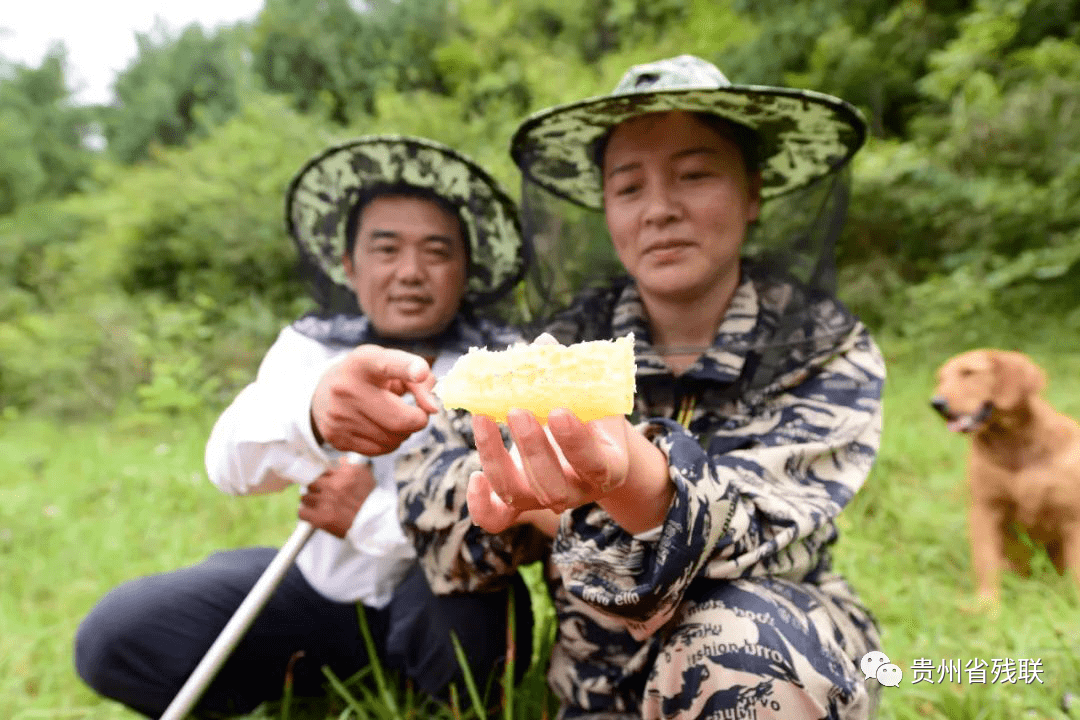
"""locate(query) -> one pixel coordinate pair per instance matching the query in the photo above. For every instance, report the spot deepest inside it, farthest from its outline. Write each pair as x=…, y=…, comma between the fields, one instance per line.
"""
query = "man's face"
x=408, y=267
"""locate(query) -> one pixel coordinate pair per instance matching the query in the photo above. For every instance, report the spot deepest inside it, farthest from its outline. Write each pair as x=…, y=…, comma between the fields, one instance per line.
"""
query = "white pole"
x=238, y=624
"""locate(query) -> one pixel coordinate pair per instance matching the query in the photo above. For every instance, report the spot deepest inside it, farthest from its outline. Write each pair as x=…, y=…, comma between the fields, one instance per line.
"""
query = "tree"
x=332, y=57
x=176, y=87
x=41, y=133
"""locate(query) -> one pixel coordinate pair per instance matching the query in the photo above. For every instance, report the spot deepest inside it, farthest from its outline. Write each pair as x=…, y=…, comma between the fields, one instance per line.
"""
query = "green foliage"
x=177, y=87
x=784, y=40
x=35, y=255
x=877, y=67
x=332, y=59
x=210, y=219
x=41, y=133
x=979, y=208
x=65, y=360
x=310, y=49
x=176, y=340
x=164, y=280
x=964, y=209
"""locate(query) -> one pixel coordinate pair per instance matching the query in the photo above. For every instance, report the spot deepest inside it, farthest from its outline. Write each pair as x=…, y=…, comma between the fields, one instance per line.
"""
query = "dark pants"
x=143, y=639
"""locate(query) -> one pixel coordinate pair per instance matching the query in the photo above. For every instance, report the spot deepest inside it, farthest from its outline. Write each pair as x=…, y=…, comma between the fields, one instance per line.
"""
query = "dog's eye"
x=967, y=372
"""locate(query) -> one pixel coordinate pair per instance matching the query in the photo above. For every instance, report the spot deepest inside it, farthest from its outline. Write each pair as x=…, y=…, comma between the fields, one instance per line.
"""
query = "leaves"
x=175, y=88
x=966, y=199
x=41, y=133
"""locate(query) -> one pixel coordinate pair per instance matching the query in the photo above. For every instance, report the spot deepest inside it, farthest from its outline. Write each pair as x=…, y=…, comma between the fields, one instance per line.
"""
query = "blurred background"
x=142, y=250
x=144, y=266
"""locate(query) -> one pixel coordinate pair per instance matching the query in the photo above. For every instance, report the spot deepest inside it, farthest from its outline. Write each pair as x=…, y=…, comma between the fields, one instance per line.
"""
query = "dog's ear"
x=1016, y=377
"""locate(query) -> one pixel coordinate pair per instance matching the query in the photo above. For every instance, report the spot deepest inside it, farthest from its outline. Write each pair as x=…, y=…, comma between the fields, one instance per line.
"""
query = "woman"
x=690, y=566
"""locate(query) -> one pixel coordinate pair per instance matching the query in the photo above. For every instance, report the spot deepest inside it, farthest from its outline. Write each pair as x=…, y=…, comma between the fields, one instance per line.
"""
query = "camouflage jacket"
x=768, y=436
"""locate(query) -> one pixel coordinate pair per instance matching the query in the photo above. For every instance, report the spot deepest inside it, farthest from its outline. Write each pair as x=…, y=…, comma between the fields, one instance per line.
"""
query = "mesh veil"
x=791, y=250
x=330, y=298
x=338, y=319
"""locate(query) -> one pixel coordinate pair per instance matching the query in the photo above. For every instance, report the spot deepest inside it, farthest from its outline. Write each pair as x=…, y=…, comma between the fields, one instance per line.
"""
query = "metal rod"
x=238, y=624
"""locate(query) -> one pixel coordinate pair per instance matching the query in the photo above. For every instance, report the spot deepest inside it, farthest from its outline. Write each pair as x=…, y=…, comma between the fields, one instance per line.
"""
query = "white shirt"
x=263, y=442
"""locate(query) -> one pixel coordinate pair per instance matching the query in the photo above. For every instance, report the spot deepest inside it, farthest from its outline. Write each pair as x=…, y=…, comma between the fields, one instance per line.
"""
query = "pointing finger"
x=392, y=364
x=425, y=399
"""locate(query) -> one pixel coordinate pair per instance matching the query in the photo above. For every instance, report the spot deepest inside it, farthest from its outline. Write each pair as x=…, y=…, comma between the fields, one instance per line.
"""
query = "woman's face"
x=678, y=200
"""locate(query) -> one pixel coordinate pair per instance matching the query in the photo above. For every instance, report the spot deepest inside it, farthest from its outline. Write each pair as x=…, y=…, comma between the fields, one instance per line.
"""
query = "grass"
x=85, y=507
x=904, y=547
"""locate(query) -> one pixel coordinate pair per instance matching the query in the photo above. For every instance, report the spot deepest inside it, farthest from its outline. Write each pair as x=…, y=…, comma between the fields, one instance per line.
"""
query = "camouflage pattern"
x=731, y=610
x=320, y=196
x=803, y=134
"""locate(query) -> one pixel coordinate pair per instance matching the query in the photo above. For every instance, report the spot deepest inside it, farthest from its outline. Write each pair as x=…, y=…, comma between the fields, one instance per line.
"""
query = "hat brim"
x=803, y=135
x=326, y=188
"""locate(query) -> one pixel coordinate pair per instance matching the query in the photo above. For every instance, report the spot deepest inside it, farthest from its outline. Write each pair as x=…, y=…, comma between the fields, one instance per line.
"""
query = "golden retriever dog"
x=1023, y=468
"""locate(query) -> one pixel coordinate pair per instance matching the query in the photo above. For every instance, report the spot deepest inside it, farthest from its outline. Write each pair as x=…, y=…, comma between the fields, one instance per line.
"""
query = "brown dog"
x=1024, y=465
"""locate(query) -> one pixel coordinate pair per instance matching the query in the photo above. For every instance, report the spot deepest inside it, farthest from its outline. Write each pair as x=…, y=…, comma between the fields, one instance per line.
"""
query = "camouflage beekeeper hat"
x=326, y=188
x=802, y=135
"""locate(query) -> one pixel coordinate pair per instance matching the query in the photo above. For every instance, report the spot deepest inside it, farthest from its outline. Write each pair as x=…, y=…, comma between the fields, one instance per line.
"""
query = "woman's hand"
x=569, y=464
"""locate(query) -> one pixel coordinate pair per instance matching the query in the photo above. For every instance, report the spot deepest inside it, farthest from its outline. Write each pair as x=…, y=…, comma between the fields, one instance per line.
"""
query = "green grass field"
x=84, y=507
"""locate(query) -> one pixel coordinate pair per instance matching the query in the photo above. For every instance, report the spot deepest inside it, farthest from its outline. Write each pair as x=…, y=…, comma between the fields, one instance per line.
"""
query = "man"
x=420, y=237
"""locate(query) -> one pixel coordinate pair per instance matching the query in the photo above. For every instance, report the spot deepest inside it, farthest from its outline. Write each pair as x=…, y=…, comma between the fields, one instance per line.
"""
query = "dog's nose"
x=938, y=403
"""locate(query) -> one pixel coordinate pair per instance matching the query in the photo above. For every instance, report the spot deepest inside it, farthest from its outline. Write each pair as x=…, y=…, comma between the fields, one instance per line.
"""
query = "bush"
x=154, y=289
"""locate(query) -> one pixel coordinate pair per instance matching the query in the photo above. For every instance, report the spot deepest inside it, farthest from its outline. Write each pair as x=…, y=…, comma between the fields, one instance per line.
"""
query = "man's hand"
x=358, y=406
x=334, y=498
